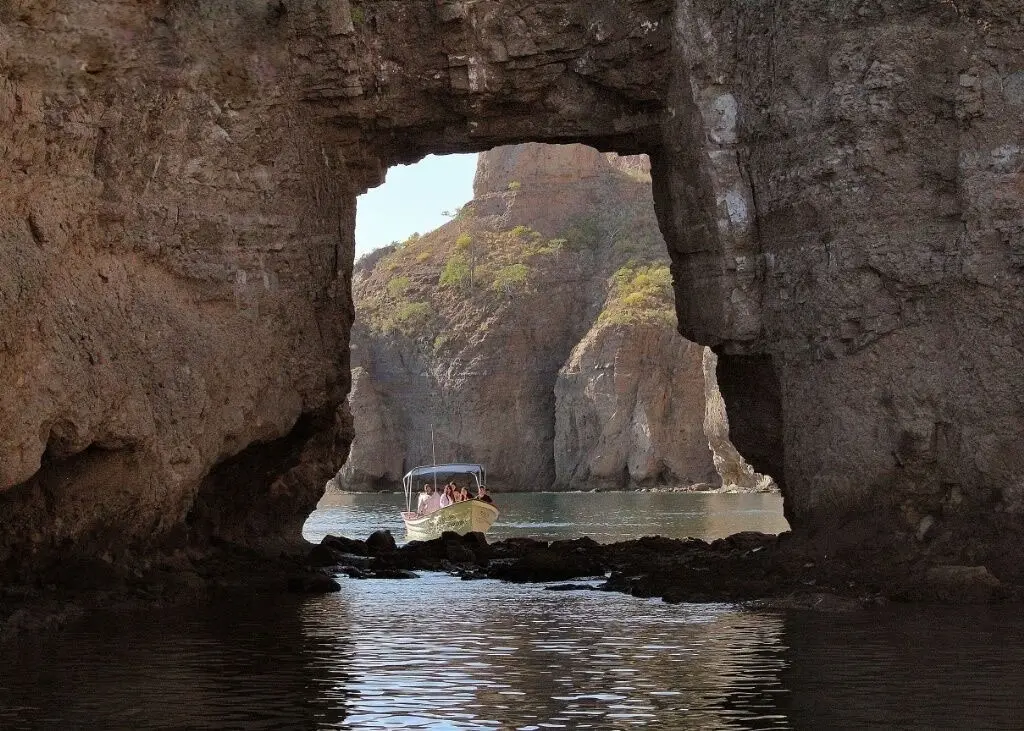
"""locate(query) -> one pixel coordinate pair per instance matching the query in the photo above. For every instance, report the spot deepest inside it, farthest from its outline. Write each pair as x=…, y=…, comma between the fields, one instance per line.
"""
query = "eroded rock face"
x=840, y=196
x=174, y=287
x=573, y=377
x=377, y=458
x=630, y=411
x=477, y=371
x=858, y=254
x=176, y=221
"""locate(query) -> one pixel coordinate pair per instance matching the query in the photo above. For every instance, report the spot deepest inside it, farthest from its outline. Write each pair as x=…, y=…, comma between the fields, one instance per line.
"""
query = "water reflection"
x=906, y=667
x=440, y=653
x=451, y=654
x=224, y=665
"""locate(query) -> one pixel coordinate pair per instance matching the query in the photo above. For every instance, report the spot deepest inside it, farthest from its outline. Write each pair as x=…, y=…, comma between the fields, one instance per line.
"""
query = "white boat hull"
x=466, y=517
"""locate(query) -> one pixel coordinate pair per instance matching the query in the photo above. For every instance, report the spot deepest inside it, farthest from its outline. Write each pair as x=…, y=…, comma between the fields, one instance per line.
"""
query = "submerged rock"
x=313, y=583
x=548, y=564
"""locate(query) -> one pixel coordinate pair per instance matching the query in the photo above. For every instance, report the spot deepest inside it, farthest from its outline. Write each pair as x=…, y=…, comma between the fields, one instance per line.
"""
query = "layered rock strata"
x=838, y=183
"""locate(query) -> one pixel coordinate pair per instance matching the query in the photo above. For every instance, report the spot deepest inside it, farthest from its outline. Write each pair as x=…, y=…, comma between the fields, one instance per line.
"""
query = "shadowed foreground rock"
x=773, y=571
x=76, y=588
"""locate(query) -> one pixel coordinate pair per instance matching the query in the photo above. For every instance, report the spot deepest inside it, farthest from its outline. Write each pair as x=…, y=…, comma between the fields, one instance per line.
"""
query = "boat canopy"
x=446, y=470
x=432, y=472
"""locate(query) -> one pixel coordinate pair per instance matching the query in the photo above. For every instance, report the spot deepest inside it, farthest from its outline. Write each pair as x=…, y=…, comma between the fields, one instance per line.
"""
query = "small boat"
x=468, y=516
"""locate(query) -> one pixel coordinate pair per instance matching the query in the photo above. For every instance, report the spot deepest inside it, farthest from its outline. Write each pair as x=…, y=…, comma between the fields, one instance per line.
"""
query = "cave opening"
x=530, y=325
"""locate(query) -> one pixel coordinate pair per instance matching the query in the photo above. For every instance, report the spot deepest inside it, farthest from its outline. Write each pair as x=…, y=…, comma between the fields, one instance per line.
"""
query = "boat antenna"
x=433, y=456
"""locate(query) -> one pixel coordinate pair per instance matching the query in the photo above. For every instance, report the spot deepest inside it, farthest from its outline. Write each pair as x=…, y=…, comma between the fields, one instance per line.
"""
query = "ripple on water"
x=440, y=653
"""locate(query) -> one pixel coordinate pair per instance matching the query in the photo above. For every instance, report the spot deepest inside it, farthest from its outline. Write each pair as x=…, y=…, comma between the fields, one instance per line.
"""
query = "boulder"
x=323, y=555
x=961, y=585
x=459, y=553
x=516, y=547
x=745, y=541
x=548, y=565
x=346, y=545
x=381, y=541
x=312, y=583
x=450, y=547
x=394, y=574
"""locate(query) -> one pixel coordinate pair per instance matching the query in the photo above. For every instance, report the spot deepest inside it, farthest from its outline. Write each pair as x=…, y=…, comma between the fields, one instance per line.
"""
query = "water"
x=604, y=516
x=440, y=653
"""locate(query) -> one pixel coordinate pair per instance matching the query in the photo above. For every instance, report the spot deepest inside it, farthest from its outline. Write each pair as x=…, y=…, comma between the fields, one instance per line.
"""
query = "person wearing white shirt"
x=433, y=502
x=448, y=498
x=425, y=495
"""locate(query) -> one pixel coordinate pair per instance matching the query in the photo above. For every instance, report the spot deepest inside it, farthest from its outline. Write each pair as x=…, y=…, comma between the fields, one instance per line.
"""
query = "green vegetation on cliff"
x=640, y=294
x=464, y=268
x=445, y=288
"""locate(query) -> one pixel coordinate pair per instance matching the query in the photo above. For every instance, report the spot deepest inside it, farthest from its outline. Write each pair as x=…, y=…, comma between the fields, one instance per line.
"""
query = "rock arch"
x=839, y=184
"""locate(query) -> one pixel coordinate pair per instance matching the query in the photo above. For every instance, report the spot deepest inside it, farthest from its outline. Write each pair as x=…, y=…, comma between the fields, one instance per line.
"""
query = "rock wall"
x=376, y=460
x=177, y=215
x=174, y=287
x=858, y=256
x=630, y=411
x=838, y=182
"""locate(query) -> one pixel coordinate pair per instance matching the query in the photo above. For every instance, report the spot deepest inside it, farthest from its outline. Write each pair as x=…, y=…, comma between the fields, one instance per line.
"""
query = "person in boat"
x=425, y=495
x=481, y=494
x=463, y=493
x=433, y=502
x=448, y=498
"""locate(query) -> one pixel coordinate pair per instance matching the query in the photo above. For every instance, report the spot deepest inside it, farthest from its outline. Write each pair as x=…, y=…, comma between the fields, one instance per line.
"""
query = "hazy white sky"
x=412, y=199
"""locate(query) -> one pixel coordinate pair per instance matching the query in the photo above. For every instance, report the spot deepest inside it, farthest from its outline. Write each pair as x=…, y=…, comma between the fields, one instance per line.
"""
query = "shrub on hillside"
x=409, y=318
x=398, y=286
x=456, y=272
x=640, y=294
x=511, y=279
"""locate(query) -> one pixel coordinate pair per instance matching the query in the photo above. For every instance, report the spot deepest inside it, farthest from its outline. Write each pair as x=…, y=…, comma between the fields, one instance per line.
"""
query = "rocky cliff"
x=838, y=182
x=506, y=334
x=630, y=407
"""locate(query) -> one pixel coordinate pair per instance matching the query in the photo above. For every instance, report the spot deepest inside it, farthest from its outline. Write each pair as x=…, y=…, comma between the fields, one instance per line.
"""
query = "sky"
x=412, y=199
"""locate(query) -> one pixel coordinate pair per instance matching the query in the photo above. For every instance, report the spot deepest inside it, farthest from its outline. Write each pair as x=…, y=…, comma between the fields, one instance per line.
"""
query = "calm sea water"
x=440, y=653
x=604, y=516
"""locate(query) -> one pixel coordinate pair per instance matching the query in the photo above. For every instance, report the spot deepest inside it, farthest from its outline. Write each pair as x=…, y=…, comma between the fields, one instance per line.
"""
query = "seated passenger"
x=425, y=495
x=447, y=498
x=463, y=493
x=433, y=502
x=481, y=494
